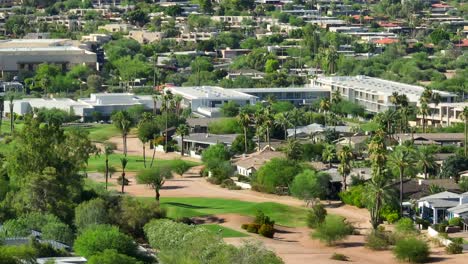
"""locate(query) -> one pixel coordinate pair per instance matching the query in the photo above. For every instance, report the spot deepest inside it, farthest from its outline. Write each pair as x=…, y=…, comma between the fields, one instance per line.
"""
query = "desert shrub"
x=405, y=226
x=311, y=184
x=424, y=223
x=262, y=219
x=267, y=231
x=119, y=181
x=333, y=229
x=353, y=196
x=180, y=166
x=454, y=248
x=316, y=215
x=253, y=228
x=456, y=221
x=411, y=250
x=377, y=240
x=244, y=226
x=98, y=238
x=339, y=257
x=275, y=173
x=110, y=256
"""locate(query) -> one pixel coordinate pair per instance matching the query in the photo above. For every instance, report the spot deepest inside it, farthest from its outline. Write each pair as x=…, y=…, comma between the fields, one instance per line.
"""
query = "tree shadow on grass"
x=210, y=219
x=184, y=205
x=172, y=187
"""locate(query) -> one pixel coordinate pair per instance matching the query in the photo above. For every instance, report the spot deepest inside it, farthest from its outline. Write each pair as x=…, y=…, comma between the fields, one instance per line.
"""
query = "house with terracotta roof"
x=385, y=41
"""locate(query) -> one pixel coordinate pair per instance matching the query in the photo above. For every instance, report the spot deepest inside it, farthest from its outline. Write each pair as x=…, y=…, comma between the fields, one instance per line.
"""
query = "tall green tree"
x=147, y=129
x=282, y=121
x=123, y=122
x=464, y=116
x=155, y=178
x=426, y=159
x=295, y=117
x=2, y=110
x=401, y=159
x=108, y=150
x=182, y=130
x=329, y=154
x=244, y=120
x=293, y=150
x=123, y=163
x=377, y=193
x=167, y=105
x=345, y=155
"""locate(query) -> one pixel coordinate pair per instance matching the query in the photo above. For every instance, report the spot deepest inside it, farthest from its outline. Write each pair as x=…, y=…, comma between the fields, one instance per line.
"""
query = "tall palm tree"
x=345, y=155
x=123, y=122
x=267, y=123
x=436, y=99
x=424, y=111
x=377, y=193
x=325, y=107
x=156, y=98
x=123, y=162
x=336, y=97
x=331, y=59
x=283, y=122
x=11, y=97
x=464, y=116
x=401, y=159
x=178, y=103
x=293, y=150
x=329, y=154
x=166, y=106
x=426, y=159
x=108, y=150
x=2, y=109
x=182, y=130
x=244, y=120
x=378, y=152
x=295, y=117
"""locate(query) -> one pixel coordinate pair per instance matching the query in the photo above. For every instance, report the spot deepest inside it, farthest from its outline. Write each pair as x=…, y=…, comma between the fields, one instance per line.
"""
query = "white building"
x=445, y=114
x=374, y=93
x=105, y=104
x=26, y=54
x=295, y=95
x=206, y=100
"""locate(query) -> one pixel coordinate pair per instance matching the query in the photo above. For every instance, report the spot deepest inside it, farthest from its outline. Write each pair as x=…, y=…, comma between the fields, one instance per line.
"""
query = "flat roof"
x=211, y=139
x=378, y=86
x=209, y=92
x=283, y=89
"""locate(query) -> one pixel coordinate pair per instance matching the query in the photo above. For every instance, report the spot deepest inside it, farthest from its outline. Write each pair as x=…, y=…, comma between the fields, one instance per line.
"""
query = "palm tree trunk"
x=285, y=132
x=182, y=146
x=466, y=136
x=144, y=155
x=295, y=131
x=123, y=180
x=107, y=171
x=124, y=138
x=12, y=118
x=245, y=140
x=401, y=191
x=152, y=159
x=268, y=136
x=344, y=182
x=165, y=138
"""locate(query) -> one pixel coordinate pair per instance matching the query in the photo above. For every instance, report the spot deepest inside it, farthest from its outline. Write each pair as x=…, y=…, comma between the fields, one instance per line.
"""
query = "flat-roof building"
x=295, y=95
x=206, y=100
x=374, y=93
x=26, y=54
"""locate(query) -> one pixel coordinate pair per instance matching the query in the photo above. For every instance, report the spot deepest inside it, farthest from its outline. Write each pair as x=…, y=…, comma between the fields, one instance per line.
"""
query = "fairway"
x=99, y=132
x=197, y=206
x=224, y=231
x=135, y=163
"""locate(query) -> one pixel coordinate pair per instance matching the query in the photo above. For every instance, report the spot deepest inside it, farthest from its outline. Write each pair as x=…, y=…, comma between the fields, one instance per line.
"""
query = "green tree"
x=147, y=129
x=293, y=150
x=244, y=120
x=345, y=155
x=452, y=167
x=123, y=123
x=377, y=193
x=271, y=65
x=333, y=229
x=98, y=238
x=275, y=173
x=182, y=130
x=215, y=155
x=108, y=150
x=2, y=110
x=123, y=163
x=329, y=154
x=426, y=159
x=463, y=115
x=401, y=159
x=282, y=121
x=89, y=213
x=230, y=109
x=110, y=256
x=155, y=178
x=311, y=184
x=295, y=116
x=316, y=215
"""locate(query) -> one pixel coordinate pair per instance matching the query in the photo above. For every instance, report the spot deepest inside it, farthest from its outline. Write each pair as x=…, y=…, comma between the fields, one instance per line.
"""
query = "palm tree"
x=331, y=59
x=182, y=130
x=464, y=116
x=426, y=160
x=424, y=111
x=267, y=123
x=336, y=97
x=293, y=150
x=400, y=159
x=377, y=193
x=345, y=156
x=378, y=152
x=244, y=120
x=11, y=97
x=329, y=154
x=2, y=109
x=295, y=117
x=436, y=99
x=283, y=122
x=123, y=122
x=156, y=98
x=325, y=107
x=108, y=150
x=123, y=162
x=166, y=106
x=178, y=104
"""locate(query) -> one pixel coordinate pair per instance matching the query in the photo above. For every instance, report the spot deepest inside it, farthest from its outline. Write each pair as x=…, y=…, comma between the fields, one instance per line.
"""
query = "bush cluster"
x=379, y=240
x=262, y=225
x=333, y=229
x=412, y=250
x=353, y=196
x=316, y=215
x=229, y=184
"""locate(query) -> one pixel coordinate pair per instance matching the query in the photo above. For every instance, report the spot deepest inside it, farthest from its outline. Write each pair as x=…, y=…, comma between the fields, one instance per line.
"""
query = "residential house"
x=443, y=206
x=145, y=37
x=441, y=139
x=195, y=143
x=249, y=164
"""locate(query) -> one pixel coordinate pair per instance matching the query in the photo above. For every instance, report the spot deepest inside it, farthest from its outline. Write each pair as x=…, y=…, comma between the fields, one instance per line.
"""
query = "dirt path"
x=293, y=245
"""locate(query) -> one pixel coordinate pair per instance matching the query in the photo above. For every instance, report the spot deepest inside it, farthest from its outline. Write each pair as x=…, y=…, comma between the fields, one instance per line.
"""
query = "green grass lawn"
x=178, y=207
x=135, y=163
x=6, y=125
x=224, y=231
x=100, y=132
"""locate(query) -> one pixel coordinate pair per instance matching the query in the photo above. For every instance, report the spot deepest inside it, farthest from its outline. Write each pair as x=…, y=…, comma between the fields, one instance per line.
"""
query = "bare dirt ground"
x=293, y=245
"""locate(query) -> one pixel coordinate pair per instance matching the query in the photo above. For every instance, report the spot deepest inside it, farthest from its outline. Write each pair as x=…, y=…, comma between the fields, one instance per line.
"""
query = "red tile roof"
x=386, y=41
x=464, y=43
x=357, y=17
